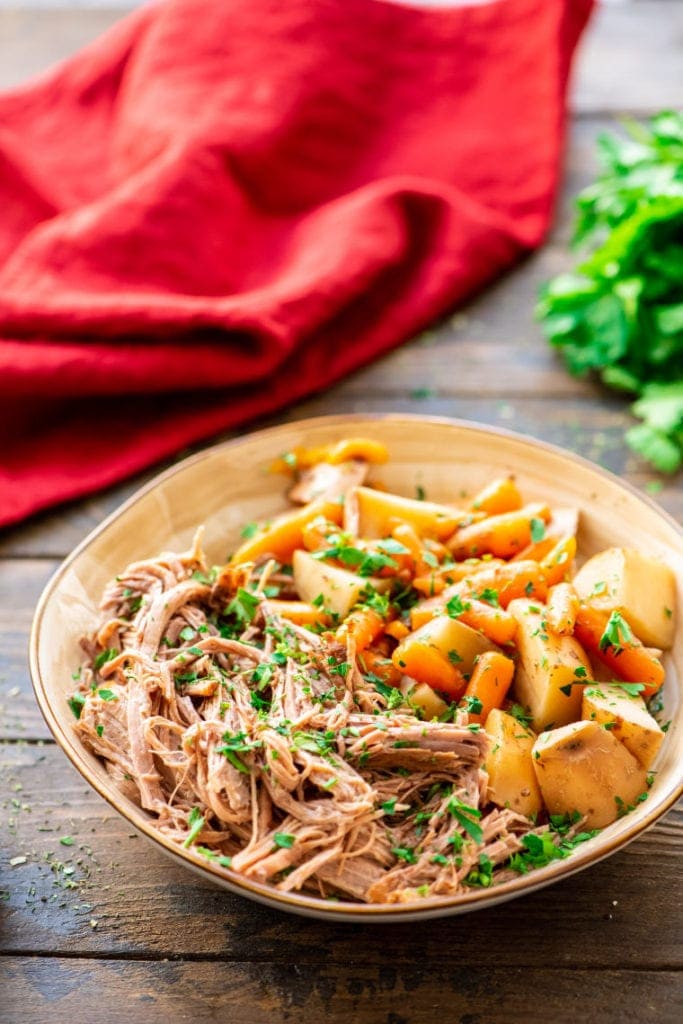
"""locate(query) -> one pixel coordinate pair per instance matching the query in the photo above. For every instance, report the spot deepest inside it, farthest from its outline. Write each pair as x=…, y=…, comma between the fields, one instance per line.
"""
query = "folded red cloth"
x=223, y=205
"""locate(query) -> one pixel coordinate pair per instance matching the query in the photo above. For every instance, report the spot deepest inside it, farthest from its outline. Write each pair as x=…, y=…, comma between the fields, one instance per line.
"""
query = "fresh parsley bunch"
x=621, y=313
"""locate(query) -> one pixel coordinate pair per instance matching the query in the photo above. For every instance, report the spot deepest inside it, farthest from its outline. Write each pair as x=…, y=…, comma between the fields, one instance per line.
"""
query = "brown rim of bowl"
x=303, y=903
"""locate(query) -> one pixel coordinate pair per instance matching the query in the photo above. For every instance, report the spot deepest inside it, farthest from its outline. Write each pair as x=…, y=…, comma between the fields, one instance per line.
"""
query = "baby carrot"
x=499, y=496
x=489, y=683
x=609, y=638
x=282, y=536
x=502, y=535
x=397, y=630
x=495, y=623
x=424, y=663
x=558, y=561
x=379, y=665
x=363, y=625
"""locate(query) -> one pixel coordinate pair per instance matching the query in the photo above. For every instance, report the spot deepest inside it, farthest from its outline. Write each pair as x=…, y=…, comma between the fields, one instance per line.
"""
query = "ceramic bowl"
x=230, y=484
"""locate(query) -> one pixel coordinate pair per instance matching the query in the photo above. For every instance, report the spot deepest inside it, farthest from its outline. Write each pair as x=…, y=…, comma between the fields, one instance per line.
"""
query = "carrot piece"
x=314, y=535
x=397, y=630
x=509, y=580
x=377, y=663
x=436, y=581
x=424, y=663
x=363, y=625
x=497, y=497
x=490, y=681
x=558, y=561
x=495, y=623
x=282, y=536
x=535, y=552
x=341, y=451
x=357, y=448
x=563, y=604
x=299, y=612
x=627, y=658
x=503, y=535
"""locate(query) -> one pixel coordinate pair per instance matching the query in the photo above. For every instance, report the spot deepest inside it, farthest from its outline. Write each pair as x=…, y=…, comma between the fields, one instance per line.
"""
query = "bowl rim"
x=303, y=903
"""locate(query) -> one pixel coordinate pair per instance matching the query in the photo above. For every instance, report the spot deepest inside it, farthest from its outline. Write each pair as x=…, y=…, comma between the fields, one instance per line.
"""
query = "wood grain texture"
x=263, y=993
x=144, y=905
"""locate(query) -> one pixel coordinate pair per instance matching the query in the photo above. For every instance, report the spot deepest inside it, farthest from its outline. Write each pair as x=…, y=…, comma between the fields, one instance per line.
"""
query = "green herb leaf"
x=196, y=822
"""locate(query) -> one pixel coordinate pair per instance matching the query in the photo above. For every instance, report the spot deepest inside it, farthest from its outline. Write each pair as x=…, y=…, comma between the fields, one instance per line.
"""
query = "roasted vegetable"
x=511, y=777
x=582, y=768
x=627, y=718
x=552, y=669
x=640, y=588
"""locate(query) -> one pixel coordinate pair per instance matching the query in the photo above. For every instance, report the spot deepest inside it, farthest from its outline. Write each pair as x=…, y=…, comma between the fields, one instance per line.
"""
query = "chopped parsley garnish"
x=394, y=697
x=617, y=634
x=225, y=862
x=481, y=876
x=404, y=853
x=285, y=840
x=76, y=704
x=456, y=606
x=243, y=606
x=238, y=743
x=196, y=822
x=467, y=817
x=103, y=657
x=472, y=705
x=537, y=530
x=107, y=695
x=523, y=716
x=249, y=530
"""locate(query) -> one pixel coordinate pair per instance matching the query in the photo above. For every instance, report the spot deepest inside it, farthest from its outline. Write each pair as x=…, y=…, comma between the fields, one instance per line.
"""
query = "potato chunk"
x=551, y=668
x=423, y=697
x=640, y=588
x=340, y=588
x=627, y=719
x=368, y=513
x=512, y=779
x=441, y=653
x=583, y=767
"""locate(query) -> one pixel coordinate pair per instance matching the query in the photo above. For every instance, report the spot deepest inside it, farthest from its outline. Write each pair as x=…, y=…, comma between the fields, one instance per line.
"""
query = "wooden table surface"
x=107, y=929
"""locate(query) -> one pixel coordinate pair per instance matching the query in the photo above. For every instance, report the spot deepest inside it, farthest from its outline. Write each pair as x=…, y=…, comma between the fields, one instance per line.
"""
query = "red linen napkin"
x=223, y=205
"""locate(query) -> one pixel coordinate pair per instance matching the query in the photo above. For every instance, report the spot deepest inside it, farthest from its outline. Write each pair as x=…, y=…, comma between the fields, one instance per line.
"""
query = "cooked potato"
x=583, y=767
x=512, y=779
x=551, y=668
x=340, y=588
x=641, y=589
x=442, y=654
x=627, y=719
x=423, y=697
x=454, y=640
x=368, y=513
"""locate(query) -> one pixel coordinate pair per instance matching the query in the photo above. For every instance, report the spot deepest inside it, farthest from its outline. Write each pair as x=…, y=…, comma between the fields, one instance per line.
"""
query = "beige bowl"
x=230, y=484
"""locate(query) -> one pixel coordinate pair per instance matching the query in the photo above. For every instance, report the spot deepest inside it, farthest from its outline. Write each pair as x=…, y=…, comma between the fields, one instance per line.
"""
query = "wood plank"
x=263, y=993
x=629, y=60
x=20, y=585
x=162, y=910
